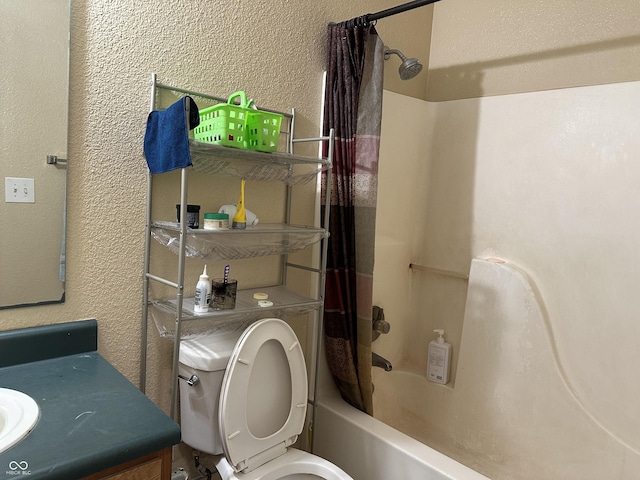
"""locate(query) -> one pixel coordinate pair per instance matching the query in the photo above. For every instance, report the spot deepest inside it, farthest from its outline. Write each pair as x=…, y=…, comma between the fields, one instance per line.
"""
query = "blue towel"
x=166, y=141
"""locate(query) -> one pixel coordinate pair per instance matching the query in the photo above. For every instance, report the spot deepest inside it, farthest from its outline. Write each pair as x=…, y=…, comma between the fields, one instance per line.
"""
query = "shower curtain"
x=353, y=108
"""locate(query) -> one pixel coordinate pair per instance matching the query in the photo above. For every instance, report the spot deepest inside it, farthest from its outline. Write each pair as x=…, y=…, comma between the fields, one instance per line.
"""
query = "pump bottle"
x=203, y=293
x=439, y=359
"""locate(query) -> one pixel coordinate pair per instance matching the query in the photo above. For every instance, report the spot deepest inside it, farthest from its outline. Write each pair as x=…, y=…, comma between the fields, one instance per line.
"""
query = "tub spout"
x=379, y=361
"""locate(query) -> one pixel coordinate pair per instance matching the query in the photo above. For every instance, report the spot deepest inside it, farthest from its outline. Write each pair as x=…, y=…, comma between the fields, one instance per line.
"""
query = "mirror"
x=34, y=54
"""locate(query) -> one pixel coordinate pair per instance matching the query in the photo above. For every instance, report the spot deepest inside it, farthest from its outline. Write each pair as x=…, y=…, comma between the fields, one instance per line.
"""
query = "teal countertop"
x=91, y=416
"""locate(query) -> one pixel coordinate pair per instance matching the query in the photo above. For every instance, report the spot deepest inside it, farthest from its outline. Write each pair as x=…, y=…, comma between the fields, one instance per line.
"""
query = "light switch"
x=19, y=190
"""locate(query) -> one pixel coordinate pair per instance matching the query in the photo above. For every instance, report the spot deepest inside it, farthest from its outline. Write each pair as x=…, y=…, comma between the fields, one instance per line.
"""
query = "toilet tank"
x=205, y=356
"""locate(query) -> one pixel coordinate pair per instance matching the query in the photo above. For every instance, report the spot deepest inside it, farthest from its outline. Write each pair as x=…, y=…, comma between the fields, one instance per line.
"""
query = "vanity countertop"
x=91, y=416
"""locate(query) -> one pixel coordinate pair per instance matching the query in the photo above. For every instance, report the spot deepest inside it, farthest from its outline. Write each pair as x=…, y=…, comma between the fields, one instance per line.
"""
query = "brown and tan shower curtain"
x=353, y=108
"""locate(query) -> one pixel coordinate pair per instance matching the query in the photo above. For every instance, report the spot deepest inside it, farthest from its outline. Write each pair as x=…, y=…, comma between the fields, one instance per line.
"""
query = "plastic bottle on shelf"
x=203, y=293
x=439, y=359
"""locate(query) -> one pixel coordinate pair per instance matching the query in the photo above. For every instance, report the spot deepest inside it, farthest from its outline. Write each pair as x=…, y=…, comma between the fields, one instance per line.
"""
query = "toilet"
x=249, y=402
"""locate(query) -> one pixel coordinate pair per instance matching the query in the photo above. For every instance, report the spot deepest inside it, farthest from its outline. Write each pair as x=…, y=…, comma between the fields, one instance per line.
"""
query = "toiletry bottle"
x=439, y=359
x=203, y=293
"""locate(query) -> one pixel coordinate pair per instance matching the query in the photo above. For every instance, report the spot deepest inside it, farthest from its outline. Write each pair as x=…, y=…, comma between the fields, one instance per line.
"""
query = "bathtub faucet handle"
x=380, y=325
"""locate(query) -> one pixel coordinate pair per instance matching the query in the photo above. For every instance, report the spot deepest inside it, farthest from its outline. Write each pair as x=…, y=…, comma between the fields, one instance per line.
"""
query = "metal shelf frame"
x=248, y=161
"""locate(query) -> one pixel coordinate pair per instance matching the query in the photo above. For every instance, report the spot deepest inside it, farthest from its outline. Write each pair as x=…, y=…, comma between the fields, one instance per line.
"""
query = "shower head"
x=410, y=66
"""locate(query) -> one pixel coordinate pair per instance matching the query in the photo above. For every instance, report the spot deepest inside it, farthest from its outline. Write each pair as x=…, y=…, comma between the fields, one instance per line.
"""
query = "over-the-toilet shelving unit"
x=174, y=317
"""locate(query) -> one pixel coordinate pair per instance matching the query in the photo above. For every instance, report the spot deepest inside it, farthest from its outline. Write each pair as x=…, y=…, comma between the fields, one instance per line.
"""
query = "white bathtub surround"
x=513, y=403
x=548, y=181
x=532, y=405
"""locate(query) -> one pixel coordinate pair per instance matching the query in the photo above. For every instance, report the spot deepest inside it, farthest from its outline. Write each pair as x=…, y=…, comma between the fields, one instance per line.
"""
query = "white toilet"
x=250, y=403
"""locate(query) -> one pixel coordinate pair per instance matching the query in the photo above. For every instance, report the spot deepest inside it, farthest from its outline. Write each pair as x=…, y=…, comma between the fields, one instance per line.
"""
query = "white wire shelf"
x=252, y=165
x=254, y=241
x=285, y=303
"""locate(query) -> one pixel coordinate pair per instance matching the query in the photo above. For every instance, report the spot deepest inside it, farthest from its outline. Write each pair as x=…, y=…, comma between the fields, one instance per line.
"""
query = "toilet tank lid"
x=210, y=352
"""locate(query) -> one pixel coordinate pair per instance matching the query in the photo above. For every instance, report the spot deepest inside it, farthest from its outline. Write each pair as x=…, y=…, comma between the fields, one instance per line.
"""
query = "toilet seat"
x=295, y=464
x=263, y=400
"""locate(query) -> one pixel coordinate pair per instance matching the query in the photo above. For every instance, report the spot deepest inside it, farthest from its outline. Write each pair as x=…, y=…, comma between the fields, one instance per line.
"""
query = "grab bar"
x=438, y=271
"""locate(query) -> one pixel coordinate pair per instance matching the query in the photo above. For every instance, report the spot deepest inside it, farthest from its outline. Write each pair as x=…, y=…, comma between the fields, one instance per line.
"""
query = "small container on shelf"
x=223, y=293
x=203, y=293
x=193, y=215
x=216, y=221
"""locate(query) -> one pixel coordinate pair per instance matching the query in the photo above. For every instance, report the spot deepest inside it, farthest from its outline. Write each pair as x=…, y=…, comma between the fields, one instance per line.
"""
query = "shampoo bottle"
x=439, y=359
x=203, y=293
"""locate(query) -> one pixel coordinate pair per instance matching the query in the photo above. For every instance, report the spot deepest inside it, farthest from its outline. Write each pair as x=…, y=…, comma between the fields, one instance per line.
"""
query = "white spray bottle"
x=439, y=359
x=203, y=293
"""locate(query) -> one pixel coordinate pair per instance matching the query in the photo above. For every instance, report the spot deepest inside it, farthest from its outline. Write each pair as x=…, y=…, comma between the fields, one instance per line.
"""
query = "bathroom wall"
x=548, y=182
x=274, y=50
x=507, y=46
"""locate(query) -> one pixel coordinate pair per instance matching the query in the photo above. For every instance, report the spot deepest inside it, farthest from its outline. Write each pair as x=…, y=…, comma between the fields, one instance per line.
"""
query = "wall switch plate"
x=19, y=190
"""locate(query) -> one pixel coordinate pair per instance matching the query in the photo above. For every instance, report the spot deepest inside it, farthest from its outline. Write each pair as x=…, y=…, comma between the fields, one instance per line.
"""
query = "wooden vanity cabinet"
x=156, y=466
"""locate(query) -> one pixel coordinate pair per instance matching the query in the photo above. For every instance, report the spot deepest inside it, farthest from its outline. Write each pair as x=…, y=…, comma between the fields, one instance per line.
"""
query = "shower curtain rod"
x=364, y=20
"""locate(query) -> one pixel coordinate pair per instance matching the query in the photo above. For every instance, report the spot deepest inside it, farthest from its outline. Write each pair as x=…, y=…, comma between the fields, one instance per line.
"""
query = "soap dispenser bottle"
x=203, y=293
x=439, y=359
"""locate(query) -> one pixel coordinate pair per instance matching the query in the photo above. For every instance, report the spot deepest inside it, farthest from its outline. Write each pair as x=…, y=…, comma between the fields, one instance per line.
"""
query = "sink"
x=19, y=414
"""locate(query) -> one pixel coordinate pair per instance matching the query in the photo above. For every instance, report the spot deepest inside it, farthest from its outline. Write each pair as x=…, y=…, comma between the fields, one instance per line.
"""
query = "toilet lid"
x=263, y=399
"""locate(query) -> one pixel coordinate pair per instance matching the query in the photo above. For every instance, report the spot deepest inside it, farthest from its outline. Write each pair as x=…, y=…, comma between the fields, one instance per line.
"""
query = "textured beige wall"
x=505, y=46
x=274, y=50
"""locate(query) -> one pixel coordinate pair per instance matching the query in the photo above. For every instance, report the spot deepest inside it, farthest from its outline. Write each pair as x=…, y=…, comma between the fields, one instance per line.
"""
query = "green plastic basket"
x=263, y=130
x=239, y=125
x=224, y=124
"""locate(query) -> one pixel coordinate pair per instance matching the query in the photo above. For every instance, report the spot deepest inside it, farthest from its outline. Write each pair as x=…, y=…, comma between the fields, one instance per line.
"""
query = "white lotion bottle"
x=439, y=359
x=203, y=293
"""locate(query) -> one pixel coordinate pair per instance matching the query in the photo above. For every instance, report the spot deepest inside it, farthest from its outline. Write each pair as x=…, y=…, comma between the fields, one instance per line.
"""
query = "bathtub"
x=368, y=449
x=404, y=401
